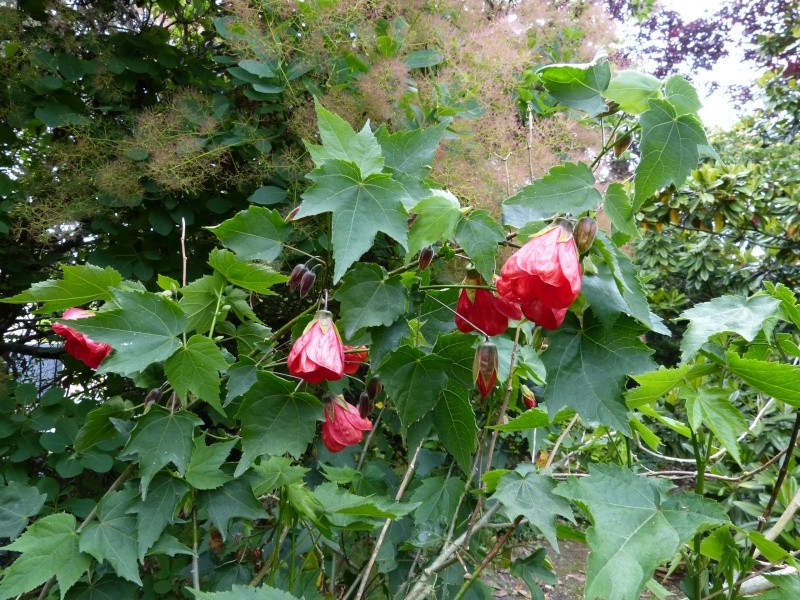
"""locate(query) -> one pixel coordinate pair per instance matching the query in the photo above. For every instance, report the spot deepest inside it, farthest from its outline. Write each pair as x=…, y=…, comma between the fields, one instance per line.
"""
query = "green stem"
x=214, y=319
x=293, y=557
x=195, y=556
x=700, y=484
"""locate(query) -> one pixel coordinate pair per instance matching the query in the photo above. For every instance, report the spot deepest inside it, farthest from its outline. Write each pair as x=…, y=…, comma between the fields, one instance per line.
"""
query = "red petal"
x=549, y=318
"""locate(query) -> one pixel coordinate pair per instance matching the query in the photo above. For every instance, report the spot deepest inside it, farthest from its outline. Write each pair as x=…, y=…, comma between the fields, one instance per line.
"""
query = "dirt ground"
x=570, y=568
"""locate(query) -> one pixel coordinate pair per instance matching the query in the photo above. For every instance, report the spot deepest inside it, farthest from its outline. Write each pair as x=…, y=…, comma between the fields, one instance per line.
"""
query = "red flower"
x=86, y=350
x=318, y=355
x=483, y=309
x=549, y=318
x=544, y=271
x=528, y=396
x=353, y=360
x=484, y=367
x=343, y=426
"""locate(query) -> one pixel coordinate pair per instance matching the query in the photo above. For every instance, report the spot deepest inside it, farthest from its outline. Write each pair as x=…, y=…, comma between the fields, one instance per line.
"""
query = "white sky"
x=717, y=109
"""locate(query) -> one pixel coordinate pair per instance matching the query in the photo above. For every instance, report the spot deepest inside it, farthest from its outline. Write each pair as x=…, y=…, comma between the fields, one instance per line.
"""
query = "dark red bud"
x=307, y=282
x=365, y=405
x=296, y=276
x=584, y=234
x=622, y=143
x=153, y=396
x=484, y=367
x=374, y=387
x=528, y=396
x=425, y=258
x=292, y=214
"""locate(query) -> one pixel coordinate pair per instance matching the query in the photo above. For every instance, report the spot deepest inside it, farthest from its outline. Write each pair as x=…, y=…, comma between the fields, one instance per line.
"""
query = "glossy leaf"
x=157, y=510
x=654, y=385
x=437, y=499
x=712, y=408
x=619, y=208
x=250, y=276
x=234, y=500
x=200, y=299
x=632, y=90
x=478, y=235
x=436, y=220
x=578, y=86
x=203, y=472
x=98, y=426
x=779, y=380
x=17, y=504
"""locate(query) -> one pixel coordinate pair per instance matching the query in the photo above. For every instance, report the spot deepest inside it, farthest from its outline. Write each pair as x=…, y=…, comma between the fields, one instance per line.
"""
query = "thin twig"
x=367, y=441
x=379, y=542
x=183, y=251
x=530, y=139
x=559, y=441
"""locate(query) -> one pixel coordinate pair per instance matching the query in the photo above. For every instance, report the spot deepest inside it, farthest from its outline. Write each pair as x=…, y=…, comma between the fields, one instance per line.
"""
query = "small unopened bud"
x=292, y=214
x=622, y=143
x=374, y=388
x=307, y=282
x=153, y=396
x=584, y=234
x=484, y=367
x=528, y=396
x=425, y=258
x=296, y=276
x=365, y=405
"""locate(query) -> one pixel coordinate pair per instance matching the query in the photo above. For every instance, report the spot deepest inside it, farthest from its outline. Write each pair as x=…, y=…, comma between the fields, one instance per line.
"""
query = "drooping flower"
x=549, y=318
x=545, y=270
x=483, y=308
x=86, y=350
x=318, y=354
x=353, y=360
x=343, y=425
x=484, y=367
x=528, y=396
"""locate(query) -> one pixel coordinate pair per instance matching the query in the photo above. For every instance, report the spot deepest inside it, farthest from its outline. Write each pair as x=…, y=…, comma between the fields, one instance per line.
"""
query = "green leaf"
x=241, y=592
x=157, y=511
x=654, y=385
x=107, y=588
x=17, y=504
x=276, y=419
x=334, y=499
x=437, y=499
x=736, y=314
x=195, y=368
x=361, y=207
x=159, y=438
x=276, y=472
x=531, y=495
x=80, y=284
x=567, y=188
x=779, y=380
x=369, y=299
x=682, y=95
x=413, y=380
x=619, y=209
x=203, y=472
x=409, y=157
x=424, y=59
x=199, y=301
x=578, y=86
x=478, y=235
x=535, y=567
x=112, y=536
x=255, y=233
x=143, y=330
x=787, y=588
x=636, y=526
x=437, y=217
x=340, y=142
x=267, y=195
x=530, y=419
x=632, y=90
x=712, y=408
x=250, y=276
x=587, y=369
x=454, y=419
x=49, y=548
x=258, y=68
x=669, y=147
x=233, y=500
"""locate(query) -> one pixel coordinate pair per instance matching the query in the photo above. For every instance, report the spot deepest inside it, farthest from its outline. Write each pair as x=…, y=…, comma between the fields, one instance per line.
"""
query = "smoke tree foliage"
x=194, y=462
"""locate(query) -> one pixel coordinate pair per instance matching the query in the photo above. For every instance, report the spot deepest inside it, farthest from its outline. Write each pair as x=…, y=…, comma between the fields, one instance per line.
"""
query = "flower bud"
x=484, y=367
x=374, y=388
x=296, y=276
x=528, y=396
x=425, y=257
x=153, y=396
x=365, y=405
x=307, y=282
x=584, y=234
x=622, y=143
